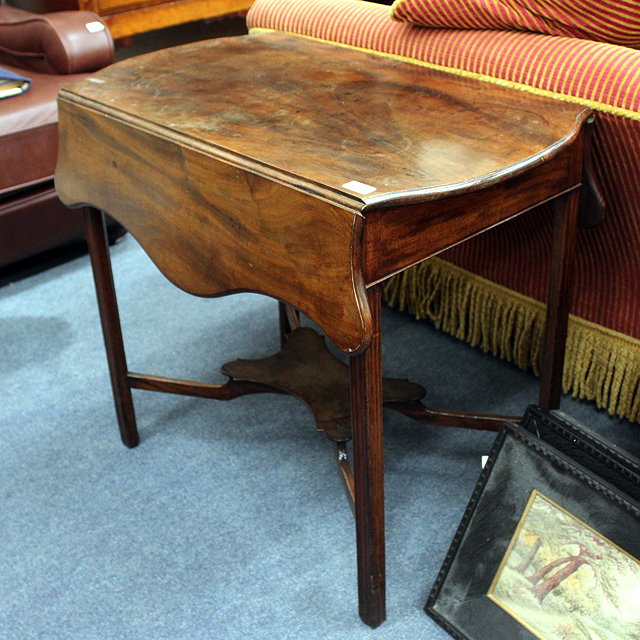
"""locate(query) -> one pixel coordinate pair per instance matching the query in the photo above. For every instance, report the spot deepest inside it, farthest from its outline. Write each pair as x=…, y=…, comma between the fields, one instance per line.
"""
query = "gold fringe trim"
x=602, y=366
x=585, y=102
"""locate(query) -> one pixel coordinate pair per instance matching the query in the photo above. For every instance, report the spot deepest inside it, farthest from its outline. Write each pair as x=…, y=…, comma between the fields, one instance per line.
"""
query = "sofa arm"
x=63, y=42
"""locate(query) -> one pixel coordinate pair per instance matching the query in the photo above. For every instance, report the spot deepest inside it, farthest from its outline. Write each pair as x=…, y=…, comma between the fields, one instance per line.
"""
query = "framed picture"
x=547, y=548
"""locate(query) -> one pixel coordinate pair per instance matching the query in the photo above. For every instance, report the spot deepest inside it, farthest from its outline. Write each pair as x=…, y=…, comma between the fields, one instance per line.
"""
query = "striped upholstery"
x=614, y=21
x=603, y=76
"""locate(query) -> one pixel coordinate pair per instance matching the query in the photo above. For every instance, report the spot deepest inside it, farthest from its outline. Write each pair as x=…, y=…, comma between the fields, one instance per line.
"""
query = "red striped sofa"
x=488, y=290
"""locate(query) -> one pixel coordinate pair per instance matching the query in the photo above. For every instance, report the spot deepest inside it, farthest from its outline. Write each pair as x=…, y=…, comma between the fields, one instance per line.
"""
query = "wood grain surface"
x=213, y=228
x=232, y=161
x=330, y=115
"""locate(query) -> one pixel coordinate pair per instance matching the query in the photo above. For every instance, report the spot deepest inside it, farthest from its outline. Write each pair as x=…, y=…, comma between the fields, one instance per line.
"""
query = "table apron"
x=397, y=238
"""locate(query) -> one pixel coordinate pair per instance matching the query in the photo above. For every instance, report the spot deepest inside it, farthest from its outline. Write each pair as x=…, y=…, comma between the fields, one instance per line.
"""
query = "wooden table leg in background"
x=289, y=319
x=96, y=233
x=368, y=460
x=565, y=222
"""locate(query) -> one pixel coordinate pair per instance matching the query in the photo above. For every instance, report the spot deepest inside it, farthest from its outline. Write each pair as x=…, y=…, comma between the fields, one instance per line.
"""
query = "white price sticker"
x=359, y=187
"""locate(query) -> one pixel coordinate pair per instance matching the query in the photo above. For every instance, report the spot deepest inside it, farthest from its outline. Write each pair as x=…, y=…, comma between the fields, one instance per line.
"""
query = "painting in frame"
x=546, y=549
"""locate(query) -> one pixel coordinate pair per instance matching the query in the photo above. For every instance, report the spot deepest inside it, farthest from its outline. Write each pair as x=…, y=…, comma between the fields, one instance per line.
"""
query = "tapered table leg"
x=96, y=233
x=366, y=416
x=565, y=222
x=289, y=319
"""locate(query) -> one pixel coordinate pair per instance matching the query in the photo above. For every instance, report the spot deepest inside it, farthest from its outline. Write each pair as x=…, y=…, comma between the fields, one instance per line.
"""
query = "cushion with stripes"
x=613, y=21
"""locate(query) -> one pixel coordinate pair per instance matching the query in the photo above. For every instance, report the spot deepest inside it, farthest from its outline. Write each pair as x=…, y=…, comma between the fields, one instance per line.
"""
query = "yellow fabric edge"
x=602, y=365
x=393, y=8
x=591, y=104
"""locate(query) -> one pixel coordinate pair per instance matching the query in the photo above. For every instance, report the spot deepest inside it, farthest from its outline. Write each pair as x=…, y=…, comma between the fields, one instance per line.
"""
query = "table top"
x=364, y=130
x=303, y=170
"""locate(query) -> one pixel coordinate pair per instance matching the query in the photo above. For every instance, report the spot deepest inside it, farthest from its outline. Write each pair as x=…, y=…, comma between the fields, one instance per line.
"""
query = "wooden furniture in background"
x=312, y=173
x=129, y=17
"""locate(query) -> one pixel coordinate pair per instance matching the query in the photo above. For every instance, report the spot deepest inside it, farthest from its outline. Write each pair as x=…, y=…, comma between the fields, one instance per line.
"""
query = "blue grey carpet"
x=229, y=520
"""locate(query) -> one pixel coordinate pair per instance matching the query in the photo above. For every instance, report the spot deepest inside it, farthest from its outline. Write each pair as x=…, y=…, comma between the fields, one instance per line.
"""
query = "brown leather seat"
x=52, y=50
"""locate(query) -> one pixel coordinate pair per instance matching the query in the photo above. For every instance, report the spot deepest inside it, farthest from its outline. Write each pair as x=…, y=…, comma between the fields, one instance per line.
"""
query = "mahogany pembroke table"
x=311, y=173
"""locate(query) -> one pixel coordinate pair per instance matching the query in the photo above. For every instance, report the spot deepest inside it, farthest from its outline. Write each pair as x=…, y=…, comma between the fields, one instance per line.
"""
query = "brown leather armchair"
x=52, y=50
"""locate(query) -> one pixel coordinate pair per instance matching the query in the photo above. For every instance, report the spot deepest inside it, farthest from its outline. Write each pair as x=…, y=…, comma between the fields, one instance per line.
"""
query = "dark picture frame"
x=499, y=580
x=608, y=461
